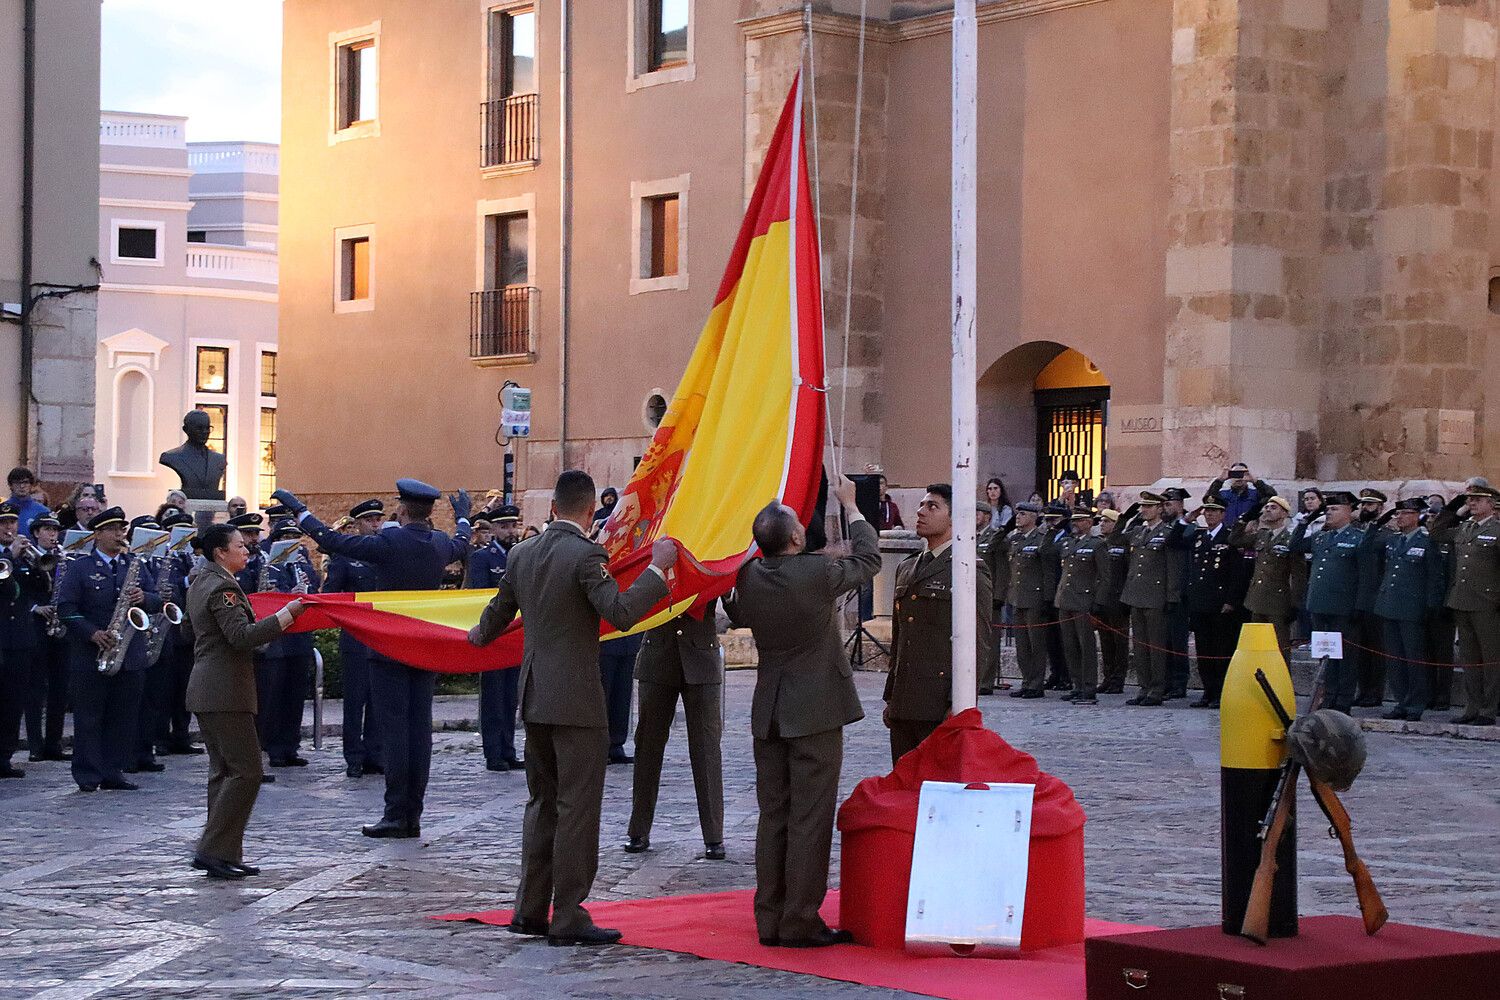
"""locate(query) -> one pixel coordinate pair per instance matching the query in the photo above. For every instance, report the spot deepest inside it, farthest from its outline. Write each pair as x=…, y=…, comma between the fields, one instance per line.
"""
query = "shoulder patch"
x=604, y=570
x=230, y=600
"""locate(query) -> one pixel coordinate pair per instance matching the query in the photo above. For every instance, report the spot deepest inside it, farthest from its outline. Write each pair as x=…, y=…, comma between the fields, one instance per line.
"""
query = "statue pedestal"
x=205, y=512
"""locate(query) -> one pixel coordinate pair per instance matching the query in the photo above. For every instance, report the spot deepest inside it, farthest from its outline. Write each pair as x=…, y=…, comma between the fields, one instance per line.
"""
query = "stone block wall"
x=61, y=446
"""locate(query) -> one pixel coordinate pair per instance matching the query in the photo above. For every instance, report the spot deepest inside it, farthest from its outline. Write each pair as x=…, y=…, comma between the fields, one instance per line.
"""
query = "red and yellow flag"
x=745, y=426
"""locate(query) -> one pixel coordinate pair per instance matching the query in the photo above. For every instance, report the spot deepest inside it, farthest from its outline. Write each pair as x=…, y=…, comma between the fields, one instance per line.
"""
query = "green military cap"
x=1148, y=498
x=1370, y=495
x=1478, y=490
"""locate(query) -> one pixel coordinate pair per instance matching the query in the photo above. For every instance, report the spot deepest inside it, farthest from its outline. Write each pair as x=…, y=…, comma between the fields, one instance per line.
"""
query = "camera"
x=1236, y=473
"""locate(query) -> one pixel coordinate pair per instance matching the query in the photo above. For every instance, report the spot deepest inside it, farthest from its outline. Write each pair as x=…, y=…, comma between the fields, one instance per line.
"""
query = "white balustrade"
x=231, y=264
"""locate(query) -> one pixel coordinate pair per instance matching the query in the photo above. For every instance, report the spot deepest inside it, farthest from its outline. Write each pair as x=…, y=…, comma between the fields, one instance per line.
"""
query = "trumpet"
x=7, y=569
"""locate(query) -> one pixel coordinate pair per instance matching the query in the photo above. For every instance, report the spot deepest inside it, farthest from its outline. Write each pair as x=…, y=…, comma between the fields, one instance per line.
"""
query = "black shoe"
x=292, y=761
x=1085, y=700
x=1395, y=713
x=1136, y=700
x=1027, y=694
x=1214, y=703
x=88, y=786
x=517, y=764
x=215, y=868
x=1370, y=702
x=151, y=767
x=530, y=928
x=267, y=779
x=587, y=936
x=770, y=942
x=637, y=845
x=11, y=772
x=1174, y=695
x=1201, y=703
x=1440, y=706
x=112, y=785
x=240, y=866
x=1414, y=717
x=187, y=750
x=354, y=771
x=55, y=755
x=498, y=765
x=714, y=852
x=390, y=829
x=1483, y=720
x=620, y=757
x=1150, y=702
x=1463, y=720
x=1018, y=693
x=1071, y=696
x=371, y=768
x=986, y=690
x=827, y=936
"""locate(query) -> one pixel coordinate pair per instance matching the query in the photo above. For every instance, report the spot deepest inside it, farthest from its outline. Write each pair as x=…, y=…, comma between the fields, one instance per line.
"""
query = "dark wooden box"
x=1330, y=959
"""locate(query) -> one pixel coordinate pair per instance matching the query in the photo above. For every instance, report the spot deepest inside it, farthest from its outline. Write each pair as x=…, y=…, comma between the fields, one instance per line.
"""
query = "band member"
x=410, y=555
x=560, y=585
x=47, y=695
x=497, y=688
x=804, y=697
x=221, y=692
x=355, y=576
x=26, y=587
x=289, y=673
x=93, y=601
x=150, y=714
x=169, y=675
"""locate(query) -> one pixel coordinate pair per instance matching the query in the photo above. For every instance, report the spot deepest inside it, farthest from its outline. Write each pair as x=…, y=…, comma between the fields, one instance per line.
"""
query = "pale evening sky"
x=216, y=61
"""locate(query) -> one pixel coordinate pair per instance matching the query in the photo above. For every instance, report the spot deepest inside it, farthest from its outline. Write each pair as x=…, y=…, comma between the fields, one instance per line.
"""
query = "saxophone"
x=169, y=615
x=124, y=622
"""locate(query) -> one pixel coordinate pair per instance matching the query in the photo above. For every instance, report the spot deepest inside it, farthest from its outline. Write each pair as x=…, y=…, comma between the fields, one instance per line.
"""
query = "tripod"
x=856, y=641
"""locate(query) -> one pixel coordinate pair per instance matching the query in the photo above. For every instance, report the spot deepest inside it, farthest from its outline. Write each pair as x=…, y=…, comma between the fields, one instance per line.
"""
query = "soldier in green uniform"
x=1266, y=530
x=987, y=539
x=1474, y=596
x=1113, y=617
x=1412, y=585
x=1146, y=594
x=1084, y=558
x=1372, y=517
x=919, y=687
x=1031, y=583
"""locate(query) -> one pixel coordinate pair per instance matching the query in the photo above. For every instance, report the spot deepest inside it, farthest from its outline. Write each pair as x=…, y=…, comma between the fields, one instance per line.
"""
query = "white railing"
x=234, y=158
x=231, y=264
x=126, y=128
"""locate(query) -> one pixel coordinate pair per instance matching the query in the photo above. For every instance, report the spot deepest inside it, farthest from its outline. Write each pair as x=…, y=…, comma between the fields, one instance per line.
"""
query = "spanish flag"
x=745, y=426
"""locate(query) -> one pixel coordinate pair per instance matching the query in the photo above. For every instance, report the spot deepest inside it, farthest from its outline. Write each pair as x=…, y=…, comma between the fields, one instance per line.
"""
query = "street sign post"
x=515, y=411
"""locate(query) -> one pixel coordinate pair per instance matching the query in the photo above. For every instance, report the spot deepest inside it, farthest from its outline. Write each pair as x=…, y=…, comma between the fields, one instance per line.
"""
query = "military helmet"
x=1330, y=746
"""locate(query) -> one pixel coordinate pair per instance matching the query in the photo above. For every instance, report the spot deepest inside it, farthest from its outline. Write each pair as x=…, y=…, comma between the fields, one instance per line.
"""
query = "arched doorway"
x=1043, y=410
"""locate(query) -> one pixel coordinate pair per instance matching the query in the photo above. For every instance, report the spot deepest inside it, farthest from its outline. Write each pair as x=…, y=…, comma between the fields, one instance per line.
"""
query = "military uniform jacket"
x=1032, y=577
x=1270, y=590
x=1372, y=565
x=1338, y=557
x=1415, y=572
x=408, y=557
x=919, y=685
x=996, y=558
x=1475, y=583
x=684, y=650
x=180, y=564
x=225, y=635
x=1085, y=560
x=486, y=567
x=27, y=587
x=284, y=578
x=1146, y=579
x=804, y=684
x=1113, y=570
x=86, y=602
x=1218, y=572
x=560, y=585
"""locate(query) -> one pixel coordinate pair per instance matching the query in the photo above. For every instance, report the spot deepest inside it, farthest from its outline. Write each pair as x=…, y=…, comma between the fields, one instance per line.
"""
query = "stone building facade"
x=1210, y=230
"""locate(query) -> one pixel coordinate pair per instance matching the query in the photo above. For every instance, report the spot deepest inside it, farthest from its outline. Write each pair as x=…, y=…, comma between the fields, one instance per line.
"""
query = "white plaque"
x=968, y=869
x=1329, y=644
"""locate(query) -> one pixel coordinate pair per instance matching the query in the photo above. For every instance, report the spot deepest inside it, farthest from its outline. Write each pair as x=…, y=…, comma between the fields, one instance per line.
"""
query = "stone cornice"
x=847, y=26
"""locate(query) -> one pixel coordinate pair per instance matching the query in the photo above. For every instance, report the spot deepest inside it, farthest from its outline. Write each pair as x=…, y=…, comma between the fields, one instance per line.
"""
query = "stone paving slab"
x=98, y=901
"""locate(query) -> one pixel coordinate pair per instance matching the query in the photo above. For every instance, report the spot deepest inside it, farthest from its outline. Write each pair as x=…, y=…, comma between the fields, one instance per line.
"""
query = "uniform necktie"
x=924, y=559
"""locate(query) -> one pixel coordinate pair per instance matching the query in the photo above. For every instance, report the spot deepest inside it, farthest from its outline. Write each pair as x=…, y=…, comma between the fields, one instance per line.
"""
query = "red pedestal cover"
x=879, y=821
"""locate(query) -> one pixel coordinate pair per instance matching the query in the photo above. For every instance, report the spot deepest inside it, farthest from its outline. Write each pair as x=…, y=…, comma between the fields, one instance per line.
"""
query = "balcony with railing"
x=223, y=263
x=502, y=325
x=508, y=132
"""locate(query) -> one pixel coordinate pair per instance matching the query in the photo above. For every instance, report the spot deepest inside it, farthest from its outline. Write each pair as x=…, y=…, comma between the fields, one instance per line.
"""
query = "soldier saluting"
x=1411, y=587
x=1474, y=596
x=1085, y=561
x=1032, y=582
x=1147, y=594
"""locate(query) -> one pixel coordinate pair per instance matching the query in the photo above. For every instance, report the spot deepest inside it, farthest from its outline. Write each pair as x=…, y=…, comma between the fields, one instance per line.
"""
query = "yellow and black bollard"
x=1251, y=748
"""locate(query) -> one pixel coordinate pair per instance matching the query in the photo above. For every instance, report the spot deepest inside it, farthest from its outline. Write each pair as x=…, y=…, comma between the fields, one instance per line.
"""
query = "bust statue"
x=200, y=468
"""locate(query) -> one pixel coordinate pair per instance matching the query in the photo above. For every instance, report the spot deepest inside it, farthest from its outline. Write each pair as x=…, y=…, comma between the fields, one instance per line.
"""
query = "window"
x=357, y=83
x=654, y=410
x=197, y=236
x=667, y=34
x=659, y=252
x=266, y=470
x=508, y=118
x=268, y=373
x=662, y=235
x=512, y=45
x=136, y=242
x=507, y=250
x=213, y=370
x=354, y=269
x=218, y=425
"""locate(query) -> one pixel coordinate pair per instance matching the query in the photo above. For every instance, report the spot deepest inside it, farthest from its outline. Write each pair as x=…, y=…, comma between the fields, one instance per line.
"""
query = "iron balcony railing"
x=502, y=322
x=508, y=131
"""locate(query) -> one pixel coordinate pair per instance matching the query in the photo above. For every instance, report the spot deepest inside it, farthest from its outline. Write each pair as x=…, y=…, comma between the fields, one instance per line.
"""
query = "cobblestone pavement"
x=96, y=899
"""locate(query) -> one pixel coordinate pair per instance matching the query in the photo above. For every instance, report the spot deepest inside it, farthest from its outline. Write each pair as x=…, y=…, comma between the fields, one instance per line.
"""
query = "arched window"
x=134, y=394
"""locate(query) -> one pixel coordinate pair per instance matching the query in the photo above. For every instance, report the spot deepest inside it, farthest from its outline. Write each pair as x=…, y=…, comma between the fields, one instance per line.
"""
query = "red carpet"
x=720, y=926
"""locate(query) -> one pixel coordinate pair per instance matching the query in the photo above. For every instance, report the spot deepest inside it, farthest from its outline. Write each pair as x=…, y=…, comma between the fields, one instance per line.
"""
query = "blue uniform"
x=47, y=697
x=498, y=694
x=1340, y=568
x=169, y=677
x=284, y=671
x=617, y=674
x=106, y=710
x=26, y=588
x=361, y=731
x=409, y=557
x=1413, y=585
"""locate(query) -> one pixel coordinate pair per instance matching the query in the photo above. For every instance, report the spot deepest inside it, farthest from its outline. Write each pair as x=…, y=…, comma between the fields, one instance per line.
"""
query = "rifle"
x=1371, y=906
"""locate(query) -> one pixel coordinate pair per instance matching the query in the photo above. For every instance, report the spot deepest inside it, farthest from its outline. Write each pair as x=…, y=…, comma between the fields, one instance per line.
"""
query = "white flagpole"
x=965, y=415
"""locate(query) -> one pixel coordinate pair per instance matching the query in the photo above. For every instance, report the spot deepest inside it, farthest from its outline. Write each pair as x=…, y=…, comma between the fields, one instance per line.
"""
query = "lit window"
x=266, y=471
x=355, y=265
x=659, y=251
x=357, y=83
x=268, y=373
x=661, y=218
x=667, y=34
x=213, y=369
x=218, y=425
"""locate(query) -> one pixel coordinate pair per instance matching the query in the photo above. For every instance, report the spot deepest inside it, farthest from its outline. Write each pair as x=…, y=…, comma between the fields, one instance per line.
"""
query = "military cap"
x=1082, y=513
x=506, y=512
x=1055, y=508
x=1211, y=502
x=8, y=511
x=1148, y=498
x=417, y=491
x=248, y=521
x=278, y=510
x=1029, y=508
x=1342, y=497
x=284, y=527
x=1109, y=515
x=169, y=511
x=48, y=520
x=980, y=507
x=1417, y=504
x=1069, y=475
x=1369, y=495
x=1174, y=493
x=145, y=521
x=483, y=516
x=1281, y=502
x=1482, y=491
x=175, y=518
x=366, y=507
x=106, y=518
